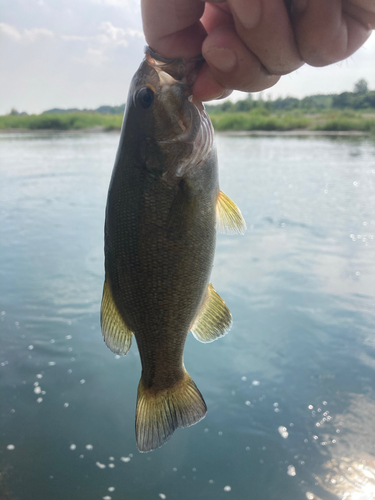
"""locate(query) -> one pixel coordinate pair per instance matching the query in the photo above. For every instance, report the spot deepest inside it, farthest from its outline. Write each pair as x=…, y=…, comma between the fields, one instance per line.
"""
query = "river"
x=290, y=390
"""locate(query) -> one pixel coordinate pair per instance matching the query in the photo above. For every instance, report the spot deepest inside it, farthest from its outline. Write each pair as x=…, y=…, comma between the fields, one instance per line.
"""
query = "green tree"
x=361, y=87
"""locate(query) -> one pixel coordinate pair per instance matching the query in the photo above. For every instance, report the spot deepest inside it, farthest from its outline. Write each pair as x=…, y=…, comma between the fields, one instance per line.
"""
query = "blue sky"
x=83, y=53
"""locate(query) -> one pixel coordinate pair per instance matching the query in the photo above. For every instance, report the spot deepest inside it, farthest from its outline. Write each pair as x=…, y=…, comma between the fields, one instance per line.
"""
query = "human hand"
x=248, y=44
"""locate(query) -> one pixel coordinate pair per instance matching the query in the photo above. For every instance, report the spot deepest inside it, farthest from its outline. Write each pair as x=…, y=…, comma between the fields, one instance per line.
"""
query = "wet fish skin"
x=160, y=235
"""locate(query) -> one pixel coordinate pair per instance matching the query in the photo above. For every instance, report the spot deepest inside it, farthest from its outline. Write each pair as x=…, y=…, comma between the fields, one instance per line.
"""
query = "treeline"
x=102, y=110
x=360, y=99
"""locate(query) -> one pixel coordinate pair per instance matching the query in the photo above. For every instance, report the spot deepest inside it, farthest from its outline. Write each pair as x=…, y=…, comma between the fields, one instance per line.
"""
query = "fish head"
x=164, y=113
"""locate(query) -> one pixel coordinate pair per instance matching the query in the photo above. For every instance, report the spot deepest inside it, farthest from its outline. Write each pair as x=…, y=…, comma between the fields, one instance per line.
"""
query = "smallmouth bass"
x=163, y=209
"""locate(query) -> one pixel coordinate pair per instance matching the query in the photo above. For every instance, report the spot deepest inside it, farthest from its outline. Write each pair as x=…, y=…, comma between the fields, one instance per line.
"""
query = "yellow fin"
x=117, y=336
x=214, y=318
x=160, y=413
x=229, y=219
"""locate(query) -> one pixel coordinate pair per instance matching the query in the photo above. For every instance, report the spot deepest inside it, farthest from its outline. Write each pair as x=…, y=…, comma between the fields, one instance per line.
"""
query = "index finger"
x=172, y=27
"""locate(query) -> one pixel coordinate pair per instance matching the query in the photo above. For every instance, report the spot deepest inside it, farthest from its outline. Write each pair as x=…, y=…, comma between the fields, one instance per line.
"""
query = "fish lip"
x=174, y=68
x=178, y=68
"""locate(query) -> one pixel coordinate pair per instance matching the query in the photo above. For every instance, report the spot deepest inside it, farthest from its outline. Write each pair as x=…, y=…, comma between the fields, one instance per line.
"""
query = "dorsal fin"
x=214, y=318
x=229, y=219
x=117, y=336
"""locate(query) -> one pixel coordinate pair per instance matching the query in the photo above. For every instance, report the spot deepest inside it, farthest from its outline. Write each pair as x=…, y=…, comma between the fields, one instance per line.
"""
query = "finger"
x=215, y=16
x=231, y=65
x=172, y=27
x=265, y=28
x=206, y=87
x=324, y=34
x=362, y=11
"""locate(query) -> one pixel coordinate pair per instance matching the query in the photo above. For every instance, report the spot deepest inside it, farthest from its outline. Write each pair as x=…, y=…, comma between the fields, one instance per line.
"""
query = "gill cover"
x=182, y=128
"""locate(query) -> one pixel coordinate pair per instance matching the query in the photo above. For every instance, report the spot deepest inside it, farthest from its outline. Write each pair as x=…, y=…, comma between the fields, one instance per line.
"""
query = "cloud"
x=108, y=38
x=75, y=38
x=128, y=4
x=111, y=36
x=26, y=36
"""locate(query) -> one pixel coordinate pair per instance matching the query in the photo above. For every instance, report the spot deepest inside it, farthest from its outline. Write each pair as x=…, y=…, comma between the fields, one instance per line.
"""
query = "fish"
x=164, y=207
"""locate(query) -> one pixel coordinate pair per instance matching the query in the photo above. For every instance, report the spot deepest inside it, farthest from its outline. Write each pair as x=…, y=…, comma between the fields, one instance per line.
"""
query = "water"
x=290, y=390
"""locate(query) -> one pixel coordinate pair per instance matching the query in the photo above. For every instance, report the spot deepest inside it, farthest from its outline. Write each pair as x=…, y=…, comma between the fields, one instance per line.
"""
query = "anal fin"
x=116, y=334
x=229, y=219
x=214, y=318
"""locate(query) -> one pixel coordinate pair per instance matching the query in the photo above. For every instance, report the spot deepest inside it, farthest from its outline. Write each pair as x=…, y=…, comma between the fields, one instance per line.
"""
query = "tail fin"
x=160, y=414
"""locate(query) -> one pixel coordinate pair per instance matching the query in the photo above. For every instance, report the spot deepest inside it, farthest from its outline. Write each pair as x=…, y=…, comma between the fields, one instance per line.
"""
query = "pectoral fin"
x=229, y=219
x=214, y=319
x=117, y=336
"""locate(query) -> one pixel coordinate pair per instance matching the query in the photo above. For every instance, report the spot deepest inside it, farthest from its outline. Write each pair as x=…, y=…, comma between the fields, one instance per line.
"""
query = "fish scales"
x=160, y=232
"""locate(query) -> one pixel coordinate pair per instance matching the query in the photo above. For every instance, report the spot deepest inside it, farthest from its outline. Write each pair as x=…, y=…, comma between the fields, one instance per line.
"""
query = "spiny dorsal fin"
x=117, y=336
x=160, y=413
x=214, y=318
x=229, y=219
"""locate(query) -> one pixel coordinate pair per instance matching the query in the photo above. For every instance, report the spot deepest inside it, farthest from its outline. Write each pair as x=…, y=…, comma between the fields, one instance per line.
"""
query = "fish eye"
x=145, y=97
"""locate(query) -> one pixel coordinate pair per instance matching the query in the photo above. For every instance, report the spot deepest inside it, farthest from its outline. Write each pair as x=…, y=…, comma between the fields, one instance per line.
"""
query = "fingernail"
x=222, y=58
x=248, y=12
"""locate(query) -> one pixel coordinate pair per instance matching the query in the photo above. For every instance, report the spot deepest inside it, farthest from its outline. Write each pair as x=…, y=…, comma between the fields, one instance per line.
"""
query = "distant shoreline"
x=254, y=122
x=241, y=133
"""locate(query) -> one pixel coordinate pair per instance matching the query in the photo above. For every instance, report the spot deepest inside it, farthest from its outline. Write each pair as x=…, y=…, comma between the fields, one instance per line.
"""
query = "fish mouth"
x=181, y=70
x=195, y=123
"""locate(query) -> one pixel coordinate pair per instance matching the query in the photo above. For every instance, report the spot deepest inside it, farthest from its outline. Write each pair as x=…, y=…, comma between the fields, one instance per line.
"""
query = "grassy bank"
x=256, y=119
x=61, y=121
x=261, y=119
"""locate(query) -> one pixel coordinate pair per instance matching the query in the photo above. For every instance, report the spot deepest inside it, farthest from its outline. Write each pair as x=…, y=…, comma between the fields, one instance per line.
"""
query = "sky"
x=83, y=53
